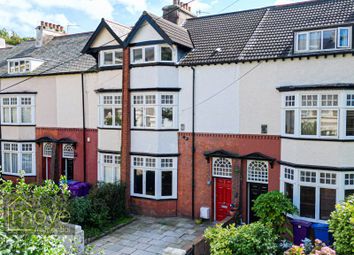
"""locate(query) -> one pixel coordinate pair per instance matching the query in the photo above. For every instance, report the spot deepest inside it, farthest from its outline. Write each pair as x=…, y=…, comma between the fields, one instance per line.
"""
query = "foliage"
x=295, y=250
x=307, y=248
x=21, y=232
x=254, y=238
x=341, y=223
x=12, y=38
x=284, y=245
x=272, y=208
x=307, y=245
x=321, y=248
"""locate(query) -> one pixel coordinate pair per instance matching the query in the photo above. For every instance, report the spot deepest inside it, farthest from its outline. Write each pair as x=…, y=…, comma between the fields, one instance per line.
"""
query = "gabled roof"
x=265, y=33
x=118, y=32
x=61, y=55
x=170, y=32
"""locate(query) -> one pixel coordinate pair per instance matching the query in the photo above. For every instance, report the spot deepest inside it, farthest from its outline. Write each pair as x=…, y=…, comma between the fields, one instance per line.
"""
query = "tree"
x=12, y=38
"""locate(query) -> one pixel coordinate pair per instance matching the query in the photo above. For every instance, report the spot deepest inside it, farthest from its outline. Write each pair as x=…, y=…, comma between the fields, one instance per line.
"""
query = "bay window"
x=323, y=40
x=111, y=57
x=154, y=177
x=109, y=167
x=17, y=110
x=318, y=115
x=18, y=157
x=110, y=109
x=315, y=192
x=154, y=53
x=154, y=110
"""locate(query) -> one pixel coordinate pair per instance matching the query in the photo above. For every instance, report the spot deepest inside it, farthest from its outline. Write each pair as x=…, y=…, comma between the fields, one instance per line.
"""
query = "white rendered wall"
x=158, y=142
x=104, y=38
x=153, y=77
x=109, y=140
x=146, y=33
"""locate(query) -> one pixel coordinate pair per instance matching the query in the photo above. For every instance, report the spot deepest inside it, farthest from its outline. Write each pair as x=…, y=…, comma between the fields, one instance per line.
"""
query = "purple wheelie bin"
x=301, y=230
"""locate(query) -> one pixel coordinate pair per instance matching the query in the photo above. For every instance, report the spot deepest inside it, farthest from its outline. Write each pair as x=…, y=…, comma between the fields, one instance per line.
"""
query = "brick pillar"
x=125, y=146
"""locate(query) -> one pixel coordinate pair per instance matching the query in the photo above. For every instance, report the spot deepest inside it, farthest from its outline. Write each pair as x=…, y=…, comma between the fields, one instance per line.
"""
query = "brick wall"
x=238, y=144
x=155, y=208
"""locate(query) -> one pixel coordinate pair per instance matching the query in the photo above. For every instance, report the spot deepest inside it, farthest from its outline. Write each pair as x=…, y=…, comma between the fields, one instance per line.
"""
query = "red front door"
x=223, y=197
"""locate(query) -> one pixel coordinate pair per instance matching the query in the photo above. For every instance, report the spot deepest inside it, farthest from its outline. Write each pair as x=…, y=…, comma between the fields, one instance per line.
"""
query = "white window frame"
x=47, y=147
x=114, y=164
x=18, y=106
x=336, y=47
x=113, y=51
x=157, y=54
x=341, y=109
x=68, y=151
x=116, y=103
x=339, y=186
x=249, y=163
x=158, y=168
x=158, y=106
x=222, y=167
x=19, y=152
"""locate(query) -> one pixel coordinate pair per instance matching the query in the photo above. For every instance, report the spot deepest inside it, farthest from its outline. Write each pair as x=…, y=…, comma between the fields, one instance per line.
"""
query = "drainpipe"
x=83, y=122
x=193, y=142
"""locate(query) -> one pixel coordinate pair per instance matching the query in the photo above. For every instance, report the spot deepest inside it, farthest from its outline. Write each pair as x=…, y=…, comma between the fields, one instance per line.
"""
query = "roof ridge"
x=114, y=22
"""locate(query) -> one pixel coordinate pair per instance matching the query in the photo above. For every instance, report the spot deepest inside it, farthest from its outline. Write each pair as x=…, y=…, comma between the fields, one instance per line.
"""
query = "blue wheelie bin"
x=321, y=232
x=301, y=230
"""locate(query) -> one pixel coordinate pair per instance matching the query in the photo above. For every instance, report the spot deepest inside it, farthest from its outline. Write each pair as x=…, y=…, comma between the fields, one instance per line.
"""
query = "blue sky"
x=22, y=16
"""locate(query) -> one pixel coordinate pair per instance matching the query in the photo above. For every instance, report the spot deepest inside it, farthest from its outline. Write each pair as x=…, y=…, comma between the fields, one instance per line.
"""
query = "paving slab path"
x=147, y=236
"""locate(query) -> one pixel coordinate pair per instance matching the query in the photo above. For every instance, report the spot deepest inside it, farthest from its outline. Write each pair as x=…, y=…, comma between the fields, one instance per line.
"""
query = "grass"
x=93, y=232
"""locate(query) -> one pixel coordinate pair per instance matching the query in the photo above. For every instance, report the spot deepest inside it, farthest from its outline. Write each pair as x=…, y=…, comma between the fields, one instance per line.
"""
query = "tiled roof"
x=176, y=33
x=120, y=30
x=262, y=33
x=60, y=55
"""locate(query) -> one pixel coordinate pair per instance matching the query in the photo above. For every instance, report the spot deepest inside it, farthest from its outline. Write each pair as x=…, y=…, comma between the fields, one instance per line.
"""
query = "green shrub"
x=341, y=223
x=272, y=208
x=254, y=238
x=79, y=209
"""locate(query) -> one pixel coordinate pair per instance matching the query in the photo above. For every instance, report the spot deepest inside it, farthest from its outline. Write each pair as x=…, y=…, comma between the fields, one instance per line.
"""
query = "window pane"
x=167, y=117
x=137, y=55
x=26, y=113
x=13, y=115
x=166, y=54
x=7, y=162
x=166, y=182
x=150, y=117
x=138, y=116
x=302, y=42
x=118, y=117
x=150, y=183
x=315, y=40
x=108, y=117
x=329, y=39
x=108, y=174
x=329, y=122
x=118, y=57
x=108, y=58
x=6, y=113
x=289, y=122
x=350, y=123
x=14, y=162
x=27, y=163
x=138, y=181
x=327, y=202
x=343, y=37
x=150, y=54
x=289, y=191
x=308, y=122
x=349, y=192
x=307, y=201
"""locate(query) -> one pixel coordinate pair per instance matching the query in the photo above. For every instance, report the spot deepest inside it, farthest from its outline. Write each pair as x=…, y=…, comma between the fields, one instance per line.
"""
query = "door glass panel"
x=307, y=201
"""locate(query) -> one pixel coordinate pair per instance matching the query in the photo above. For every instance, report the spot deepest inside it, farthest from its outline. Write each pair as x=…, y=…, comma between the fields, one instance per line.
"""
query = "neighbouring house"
x=192, y=113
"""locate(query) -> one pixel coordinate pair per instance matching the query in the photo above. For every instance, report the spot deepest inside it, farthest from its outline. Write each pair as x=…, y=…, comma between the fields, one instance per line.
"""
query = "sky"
x=22, y=16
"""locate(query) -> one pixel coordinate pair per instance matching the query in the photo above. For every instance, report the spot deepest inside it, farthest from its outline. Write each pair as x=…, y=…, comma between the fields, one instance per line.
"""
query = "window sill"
x=155, y=129
x=18, y=175
x=17, y=125
x=110, y=128
x=153, y=198
x=153, y=64
x=296, y=217
x=110, y=67
x=317, y=139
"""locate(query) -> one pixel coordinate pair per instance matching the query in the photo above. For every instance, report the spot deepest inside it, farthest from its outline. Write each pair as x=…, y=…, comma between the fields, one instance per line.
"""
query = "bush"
x=272, y=208
x=341, y=223
x=254, y=238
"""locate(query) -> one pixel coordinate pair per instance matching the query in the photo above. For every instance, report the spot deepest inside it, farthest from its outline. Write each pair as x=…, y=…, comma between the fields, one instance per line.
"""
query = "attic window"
x=149, y=54
x=25, y=65
x=323, y=40
x=111, y=57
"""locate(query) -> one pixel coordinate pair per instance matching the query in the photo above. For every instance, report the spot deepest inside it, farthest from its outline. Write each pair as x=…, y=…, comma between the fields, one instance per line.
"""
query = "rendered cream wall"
x=153, y=77
x=154, y=142
x=109, y=140
x=104, y=39
x=18, y=133
x=146, y=33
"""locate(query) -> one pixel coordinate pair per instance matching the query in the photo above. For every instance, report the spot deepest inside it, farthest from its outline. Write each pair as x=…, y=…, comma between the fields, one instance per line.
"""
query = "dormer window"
x=323, y=40
x=111, y=57
x=150, y=54
x=25, y=65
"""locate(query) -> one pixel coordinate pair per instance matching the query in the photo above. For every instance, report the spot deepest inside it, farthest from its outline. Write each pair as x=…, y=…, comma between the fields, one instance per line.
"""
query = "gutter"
x=83, y=122
x=193, y=143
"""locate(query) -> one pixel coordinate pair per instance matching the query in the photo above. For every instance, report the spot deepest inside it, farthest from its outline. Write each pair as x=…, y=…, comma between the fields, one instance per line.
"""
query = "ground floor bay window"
x=154, y=177
x=17, y=157
x=108, y=167
x=315, y=192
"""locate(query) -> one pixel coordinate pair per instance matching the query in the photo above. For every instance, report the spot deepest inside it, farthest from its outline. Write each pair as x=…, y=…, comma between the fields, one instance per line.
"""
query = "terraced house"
x=192, y=113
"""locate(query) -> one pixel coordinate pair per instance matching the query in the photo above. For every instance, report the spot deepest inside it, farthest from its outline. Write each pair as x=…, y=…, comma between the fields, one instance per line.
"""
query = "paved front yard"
x=147, y=235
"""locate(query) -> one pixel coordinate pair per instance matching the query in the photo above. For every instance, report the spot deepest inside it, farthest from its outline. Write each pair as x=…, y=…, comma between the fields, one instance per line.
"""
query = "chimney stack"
x=46, y=31
x=178, y=12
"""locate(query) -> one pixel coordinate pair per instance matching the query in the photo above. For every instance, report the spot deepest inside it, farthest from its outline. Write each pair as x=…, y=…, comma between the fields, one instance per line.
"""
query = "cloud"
x=133, y=6
x=281, y=2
